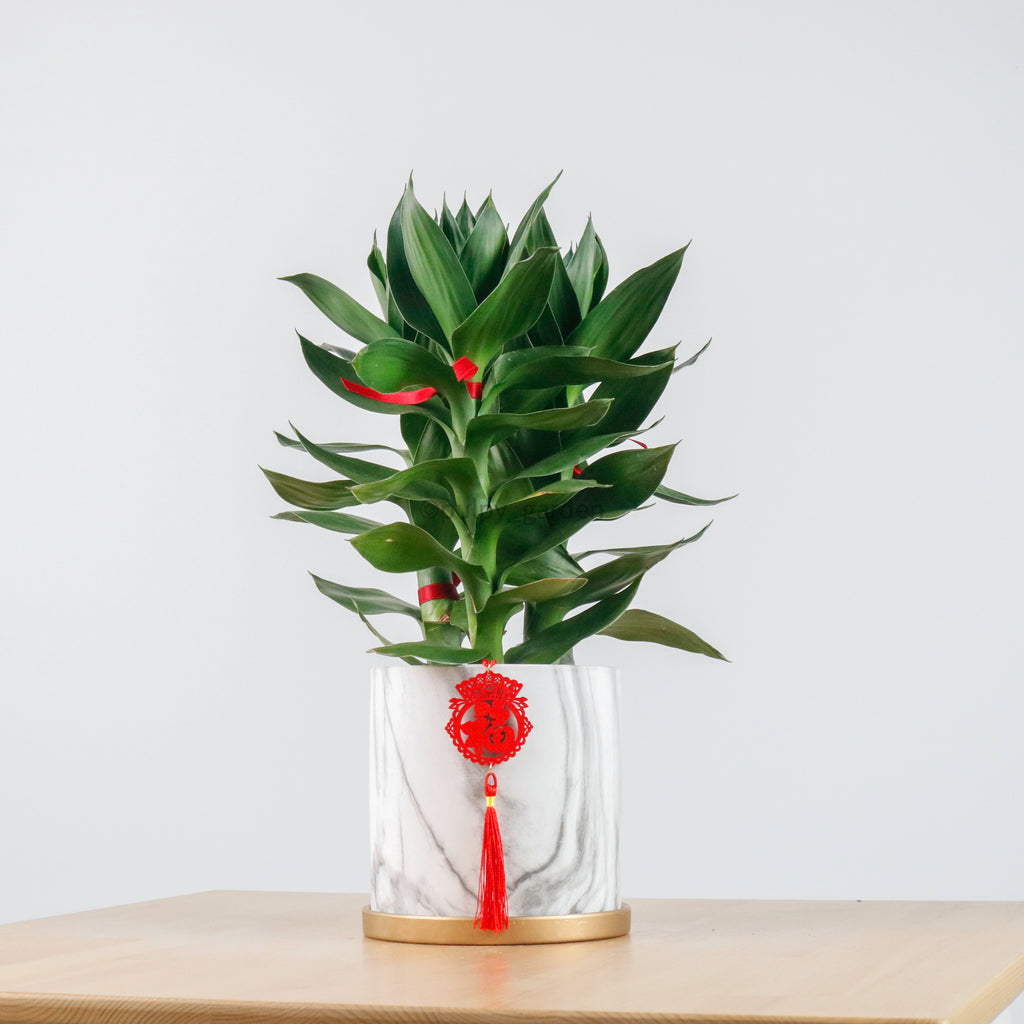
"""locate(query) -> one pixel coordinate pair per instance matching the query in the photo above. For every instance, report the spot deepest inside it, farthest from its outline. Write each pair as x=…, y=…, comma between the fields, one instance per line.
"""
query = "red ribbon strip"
x=437, y=592
x=417, y=397
x=463, y=368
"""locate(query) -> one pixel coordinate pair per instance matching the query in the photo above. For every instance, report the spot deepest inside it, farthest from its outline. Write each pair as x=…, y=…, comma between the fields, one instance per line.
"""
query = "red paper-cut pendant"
x=488, y=724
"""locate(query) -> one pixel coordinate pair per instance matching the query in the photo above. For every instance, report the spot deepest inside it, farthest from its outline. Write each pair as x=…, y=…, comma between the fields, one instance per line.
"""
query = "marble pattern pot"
x=558, y=798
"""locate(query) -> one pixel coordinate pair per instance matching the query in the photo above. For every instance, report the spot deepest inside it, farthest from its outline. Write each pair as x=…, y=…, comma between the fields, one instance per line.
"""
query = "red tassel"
x=492, y=897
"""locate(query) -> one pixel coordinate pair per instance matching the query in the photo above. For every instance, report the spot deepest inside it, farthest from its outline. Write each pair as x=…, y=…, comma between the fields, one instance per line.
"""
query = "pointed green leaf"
x=519, y=240
x=618, y=325
x=341, y=447
x=483, y=255
x=393, y=364
x=518, y=531
x=365, y=601
x=450, y=227
x=545, y=332
x=401, y=547
x=632, y=564
x=414, y=308
x=633, y=398
x=464, y=218
x=574, y=454
x=600, y=275
x=445, y=481
x=628, y=478
x=329, y=494
x=535, y=505
x=510, y=310
x=435, y=266
x=562, y=299
x=554, y=562
x=378, y=275
x=584, y=268
x=646, y=549
x=358, y=470
x=678, y=498
x=483, y=431
x=547, y=367
x=555, y=641
x=332, y=370
x=436, y=654
x=341, y=308
x=538, y=591
x=638, y=625
x=696, y=355
x=339, y=522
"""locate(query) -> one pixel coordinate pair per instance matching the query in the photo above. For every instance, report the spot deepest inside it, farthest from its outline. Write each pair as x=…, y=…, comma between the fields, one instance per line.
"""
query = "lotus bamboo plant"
x=519, y=389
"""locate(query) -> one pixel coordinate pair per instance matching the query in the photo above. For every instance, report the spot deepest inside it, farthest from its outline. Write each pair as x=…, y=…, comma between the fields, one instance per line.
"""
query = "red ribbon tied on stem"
x=463, y=368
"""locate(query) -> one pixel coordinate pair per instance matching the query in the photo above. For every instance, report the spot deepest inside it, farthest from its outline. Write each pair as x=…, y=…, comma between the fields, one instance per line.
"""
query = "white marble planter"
x=558, y=798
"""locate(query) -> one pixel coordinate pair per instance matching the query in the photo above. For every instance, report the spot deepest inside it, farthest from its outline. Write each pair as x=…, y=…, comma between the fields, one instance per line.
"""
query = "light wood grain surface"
x=300, y=958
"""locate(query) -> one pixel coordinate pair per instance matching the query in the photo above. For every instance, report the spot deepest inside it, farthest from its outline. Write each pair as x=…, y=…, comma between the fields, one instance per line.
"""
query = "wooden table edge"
x=52, y=1008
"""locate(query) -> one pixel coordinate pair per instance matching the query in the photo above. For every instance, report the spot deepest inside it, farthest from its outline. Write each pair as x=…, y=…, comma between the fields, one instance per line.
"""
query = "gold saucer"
x=459, y=931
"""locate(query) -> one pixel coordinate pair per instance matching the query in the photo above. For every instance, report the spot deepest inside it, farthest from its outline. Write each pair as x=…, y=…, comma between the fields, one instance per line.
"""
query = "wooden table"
x=293, y=958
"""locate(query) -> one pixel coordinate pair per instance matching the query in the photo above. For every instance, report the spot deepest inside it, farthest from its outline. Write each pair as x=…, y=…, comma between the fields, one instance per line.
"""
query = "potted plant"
x=521, y=392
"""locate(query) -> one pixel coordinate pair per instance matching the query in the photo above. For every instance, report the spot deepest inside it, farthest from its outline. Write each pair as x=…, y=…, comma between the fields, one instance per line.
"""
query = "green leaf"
x=554, y=562
x=483, y=431
x=365, y=601
x=339, y=522
x=378, y=276
x=647, y=549
x=330, y=494
x=633, y=398
x=561, y=298
x=600, y=275
x=518, y=531
x=584, y=268
x=393, y=364
x=575, y=453
x=510, y=310
x=340, y=307
x=464, y=218
x=633, y=477
x=331, y=370
x=401, y=547
x=444, y=480
x=437, y=654
x=483, y=255
x=618, y=325
x=555, y=641
x=547, y=367
x=534, y=505
x=696, y=355
x=434, y=266
x=545, y=332
x=537, y=591
x=341, y=447
x=626, y=480
x=678, y=498
x=414, y=308
x=639, y=625
x=358, y=470
x=450, y=227
x=632, y=564
x=519, y=240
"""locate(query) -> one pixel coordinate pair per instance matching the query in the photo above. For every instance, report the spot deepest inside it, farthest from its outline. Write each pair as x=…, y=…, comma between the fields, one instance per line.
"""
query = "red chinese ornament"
x=488, y=725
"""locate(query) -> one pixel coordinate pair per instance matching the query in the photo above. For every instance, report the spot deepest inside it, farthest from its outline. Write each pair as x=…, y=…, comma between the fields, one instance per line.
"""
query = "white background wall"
x=180, y=710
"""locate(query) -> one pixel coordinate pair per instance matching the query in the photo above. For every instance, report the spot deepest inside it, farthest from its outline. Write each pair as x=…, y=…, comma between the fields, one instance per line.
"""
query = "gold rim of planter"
x=459, y=931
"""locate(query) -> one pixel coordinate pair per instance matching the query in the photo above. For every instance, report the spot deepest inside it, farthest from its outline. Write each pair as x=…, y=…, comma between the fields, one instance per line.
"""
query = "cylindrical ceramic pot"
x=557, y=802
